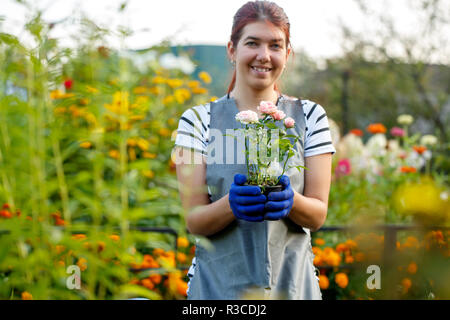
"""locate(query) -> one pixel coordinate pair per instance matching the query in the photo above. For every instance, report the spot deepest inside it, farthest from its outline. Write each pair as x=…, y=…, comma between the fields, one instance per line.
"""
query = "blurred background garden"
x=87, y=126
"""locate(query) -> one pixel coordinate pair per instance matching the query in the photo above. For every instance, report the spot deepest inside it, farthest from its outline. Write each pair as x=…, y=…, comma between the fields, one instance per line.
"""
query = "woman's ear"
x=230, y=51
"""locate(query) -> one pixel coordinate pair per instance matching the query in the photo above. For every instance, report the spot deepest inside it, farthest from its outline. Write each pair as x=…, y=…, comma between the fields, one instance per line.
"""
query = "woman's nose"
x=263, y=54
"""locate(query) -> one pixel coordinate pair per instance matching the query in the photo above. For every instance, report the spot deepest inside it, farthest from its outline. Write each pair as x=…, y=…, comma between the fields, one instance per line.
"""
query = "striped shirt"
x=193, y=133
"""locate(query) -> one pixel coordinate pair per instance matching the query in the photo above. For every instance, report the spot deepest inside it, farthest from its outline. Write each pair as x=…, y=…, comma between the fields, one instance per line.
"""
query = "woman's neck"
x=249, y=100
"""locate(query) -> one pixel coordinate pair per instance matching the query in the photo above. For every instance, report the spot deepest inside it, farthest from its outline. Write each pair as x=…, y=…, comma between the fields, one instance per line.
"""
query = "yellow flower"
x=158, y=80
x=341, y=280
x=137, y=117
x=199, y=90
x=168, y=99
x=155, y=90
x=175, y=83
x=213, y=98
x=165, y=132
x=120, y=103
x=205, y=77
x=193, y=84
x=143, y=144
x=131, y=142
x=56, y=94
x=171, y=121
x=91, y=89
x=114, y=154
x=26, y=296
x=86, y=145
x=182, y=242
x=148, y=173
x=140, y=90
x=149, y=155
x=181, y=95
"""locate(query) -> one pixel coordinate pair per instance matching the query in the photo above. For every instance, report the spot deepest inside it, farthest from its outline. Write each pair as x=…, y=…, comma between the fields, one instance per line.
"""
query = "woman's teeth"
x=261, y=69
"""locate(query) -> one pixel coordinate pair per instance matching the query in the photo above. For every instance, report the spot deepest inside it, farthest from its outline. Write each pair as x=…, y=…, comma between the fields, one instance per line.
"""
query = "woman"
x=257, y=243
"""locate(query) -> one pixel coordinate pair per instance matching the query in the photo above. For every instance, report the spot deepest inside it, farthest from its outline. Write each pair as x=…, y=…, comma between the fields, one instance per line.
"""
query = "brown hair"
x=254, y=11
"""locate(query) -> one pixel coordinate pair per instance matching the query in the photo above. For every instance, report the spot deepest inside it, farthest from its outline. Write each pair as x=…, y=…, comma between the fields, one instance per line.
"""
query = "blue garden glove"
x=246, y=202
x=279, y=204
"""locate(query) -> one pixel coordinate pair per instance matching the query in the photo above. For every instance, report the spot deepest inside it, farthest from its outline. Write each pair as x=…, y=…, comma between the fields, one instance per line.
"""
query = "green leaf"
x=134, y=291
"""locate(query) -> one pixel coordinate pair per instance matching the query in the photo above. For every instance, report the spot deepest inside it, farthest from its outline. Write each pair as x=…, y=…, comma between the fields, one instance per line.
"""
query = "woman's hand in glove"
x=280, y=203
x=246, y=202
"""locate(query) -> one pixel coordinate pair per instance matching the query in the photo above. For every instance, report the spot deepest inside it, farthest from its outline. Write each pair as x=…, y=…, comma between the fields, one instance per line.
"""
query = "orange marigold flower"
x=351, y=244
x=406, y=284
x=341, y=247
x=349, y=259
x=182, y=242
x=341, y=280
x=114, y=237
x=115, y=154
x=82, y=263
x=182, y=287
x=319, y=241
x=85, y=145
x=181, y=257
x=376, y=128
x=324, y=283
x=149, y=155
x=419, y=149
x=27, y=296
x=78, y=236
x=148, y=283
x=156, y=278
x=6, y=206
x=158, y=251
x=412, y=268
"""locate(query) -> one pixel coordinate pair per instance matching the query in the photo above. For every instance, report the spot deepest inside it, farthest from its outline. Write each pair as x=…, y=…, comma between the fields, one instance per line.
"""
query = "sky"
x=314, y=24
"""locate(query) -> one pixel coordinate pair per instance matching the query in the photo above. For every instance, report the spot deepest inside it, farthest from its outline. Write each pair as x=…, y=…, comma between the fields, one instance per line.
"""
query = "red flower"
x=406, y=169
x=375, y=128
x=68, y=84
x=419, y=149
x=357, y=132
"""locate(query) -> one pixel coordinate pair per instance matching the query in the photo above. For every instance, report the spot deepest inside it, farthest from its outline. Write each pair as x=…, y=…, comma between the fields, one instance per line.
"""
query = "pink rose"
x=279, y=115
x=247, y=117
x=267, y=107
x=289, y=122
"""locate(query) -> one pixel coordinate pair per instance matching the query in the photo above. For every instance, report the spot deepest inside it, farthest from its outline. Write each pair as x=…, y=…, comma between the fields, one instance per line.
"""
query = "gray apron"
x=273, y=259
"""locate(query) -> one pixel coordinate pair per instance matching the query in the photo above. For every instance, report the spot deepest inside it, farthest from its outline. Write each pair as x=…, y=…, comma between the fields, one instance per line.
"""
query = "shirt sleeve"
x=191, y=132
x=318, y=136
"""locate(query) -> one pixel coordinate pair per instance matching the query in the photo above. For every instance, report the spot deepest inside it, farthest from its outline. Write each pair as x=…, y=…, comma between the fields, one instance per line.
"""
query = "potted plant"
x=268, y=146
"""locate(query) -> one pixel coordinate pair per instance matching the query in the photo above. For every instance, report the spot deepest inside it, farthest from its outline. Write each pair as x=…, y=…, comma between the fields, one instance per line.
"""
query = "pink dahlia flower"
x=289, y=122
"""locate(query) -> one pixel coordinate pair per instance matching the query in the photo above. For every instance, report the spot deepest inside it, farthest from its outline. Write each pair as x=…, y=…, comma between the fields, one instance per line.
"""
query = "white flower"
x=376, y=145
x=405, y=119
x=247, y=117
x=428, y=139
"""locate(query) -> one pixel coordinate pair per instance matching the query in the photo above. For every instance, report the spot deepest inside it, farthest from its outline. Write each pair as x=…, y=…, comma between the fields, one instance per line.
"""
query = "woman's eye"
x=251, y=43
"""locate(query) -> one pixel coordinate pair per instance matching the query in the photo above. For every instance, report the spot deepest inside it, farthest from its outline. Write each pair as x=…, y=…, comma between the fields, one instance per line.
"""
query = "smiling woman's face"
x=260, y=55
